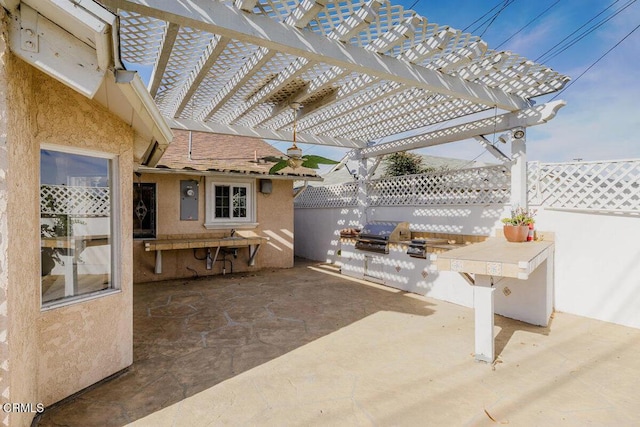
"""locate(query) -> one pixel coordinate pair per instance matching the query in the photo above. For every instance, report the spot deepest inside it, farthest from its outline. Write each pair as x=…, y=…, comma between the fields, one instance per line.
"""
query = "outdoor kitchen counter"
x=521, y=272
x=159, y=245
x=496, y=257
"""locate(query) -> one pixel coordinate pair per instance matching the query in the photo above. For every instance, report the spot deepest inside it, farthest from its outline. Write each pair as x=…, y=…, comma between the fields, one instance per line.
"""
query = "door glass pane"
x=144, y=210
x=75, y=225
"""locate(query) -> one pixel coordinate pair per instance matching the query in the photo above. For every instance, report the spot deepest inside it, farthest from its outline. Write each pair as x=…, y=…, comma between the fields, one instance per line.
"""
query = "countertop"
x=496, y=257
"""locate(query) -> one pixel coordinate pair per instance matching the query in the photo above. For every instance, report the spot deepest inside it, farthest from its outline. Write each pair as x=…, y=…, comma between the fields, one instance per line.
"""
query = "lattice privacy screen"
x=603, y=186
x=332, y=196
x=76, y=201
x=611, y=186
x=461, y=187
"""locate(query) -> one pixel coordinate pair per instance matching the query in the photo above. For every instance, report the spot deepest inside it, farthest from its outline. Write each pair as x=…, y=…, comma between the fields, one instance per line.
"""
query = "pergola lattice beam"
x=251, y=67
x=429, y=47
x=223, y=129
x=320, y=83
x=381, y=45
x=305, y=12
x=362, y=18
x=215, y=48
x=395, y=36
x=170, y=36
x=287, y=75
x=218, y=18
x=529, y=117
x=246, y=5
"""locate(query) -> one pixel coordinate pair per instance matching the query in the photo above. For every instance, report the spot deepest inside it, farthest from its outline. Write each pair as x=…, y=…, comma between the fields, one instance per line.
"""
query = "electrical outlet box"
x=189, y=200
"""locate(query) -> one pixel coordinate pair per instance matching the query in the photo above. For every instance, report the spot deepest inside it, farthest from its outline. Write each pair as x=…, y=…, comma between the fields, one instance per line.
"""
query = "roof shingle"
x=223, y=153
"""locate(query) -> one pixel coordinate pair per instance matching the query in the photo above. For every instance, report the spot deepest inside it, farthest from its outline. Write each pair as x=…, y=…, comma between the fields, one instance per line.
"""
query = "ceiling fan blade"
x=280, y=165
x=272, y=159
x=319, y=160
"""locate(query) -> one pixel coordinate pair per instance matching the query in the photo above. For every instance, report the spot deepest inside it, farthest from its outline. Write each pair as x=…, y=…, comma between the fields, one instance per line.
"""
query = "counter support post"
x=158, y=269
x=484, y=319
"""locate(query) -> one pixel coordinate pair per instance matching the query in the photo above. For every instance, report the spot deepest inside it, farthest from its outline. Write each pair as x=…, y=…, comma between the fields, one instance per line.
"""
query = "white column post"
x=483, y=312
x=519, y=173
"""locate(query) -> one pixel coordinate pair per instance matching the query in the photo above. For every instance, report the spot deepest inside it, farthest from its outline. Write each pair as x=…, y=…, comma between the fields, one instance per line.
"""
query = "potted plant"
x=516, y=227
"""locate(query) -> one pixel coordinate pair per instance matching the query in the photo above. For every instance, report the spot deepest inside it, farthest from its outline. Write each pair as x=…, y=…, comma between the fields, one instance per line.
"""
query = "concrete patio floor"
x=305, y=346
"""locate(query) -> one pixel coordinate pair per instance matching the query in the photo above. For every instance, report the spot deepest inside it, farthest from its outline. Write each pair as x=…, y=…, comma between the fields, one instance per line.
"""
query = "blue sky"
x=602, y=118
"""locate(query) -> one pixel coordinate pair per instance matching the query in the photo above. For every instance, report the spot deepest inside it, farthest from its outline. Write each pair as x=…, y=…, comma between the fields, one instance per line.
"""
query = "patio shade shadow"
x=190, y=335
x=508, y=327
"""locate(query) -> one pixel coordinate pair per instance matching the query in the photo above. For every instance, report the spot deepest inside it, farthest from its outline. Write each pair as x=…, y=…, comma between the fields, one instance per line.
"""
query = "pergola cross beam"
x=226, y=21
x=529, y=117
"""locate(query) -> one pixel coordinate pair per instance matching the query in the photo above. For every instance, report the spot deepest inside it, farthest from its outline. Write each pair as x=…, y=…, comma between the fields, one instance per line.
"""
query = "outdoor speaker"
x=265, y=186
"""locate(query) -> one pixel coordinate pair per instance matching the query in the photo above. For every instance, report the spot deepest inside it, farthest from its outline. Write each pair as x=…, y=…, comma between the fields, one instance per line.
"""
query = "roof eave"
x=251, y=175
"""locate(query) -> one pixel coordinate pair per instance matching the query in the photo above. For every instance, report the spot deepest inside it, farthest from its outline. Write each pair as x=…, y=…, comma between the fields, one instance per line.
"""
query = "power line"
x=528, y=23
x=414, y=3
x=540, y=58
x=490, y=10
x=589, y=31
x=495, y=16
x=595, y=62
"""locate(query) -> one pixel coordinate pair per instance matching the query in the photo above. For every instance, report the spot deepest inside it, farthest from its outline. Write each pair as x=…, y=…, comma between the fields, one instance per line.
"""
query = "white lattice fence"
x=603, y=186
x=487, y=185
x=76, y=201
x=334, y=196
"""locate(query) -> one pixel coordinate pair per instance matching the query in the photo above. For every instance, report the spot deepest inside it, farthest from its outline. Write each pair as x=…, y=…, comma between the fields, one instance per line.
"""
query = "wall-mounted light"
x=518, y=133
x=504, y=138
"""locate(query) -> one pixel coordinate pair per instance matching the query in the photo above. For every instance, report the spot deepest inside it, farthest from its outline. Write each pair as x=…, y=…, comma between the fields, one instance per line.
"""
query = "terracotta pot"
x=516, y=233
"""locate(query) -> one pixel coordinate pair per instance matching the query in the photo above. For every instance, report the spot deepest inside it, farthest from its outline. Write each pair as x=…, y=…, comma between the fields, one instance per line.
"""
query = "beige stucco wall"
x=55, y=353
x=274, y=214
x=5, y=377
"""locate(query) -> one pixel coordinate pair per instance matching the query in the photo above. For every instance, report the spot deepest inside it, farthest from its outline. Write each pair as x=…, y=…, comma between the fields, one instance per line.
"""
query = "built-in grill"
x=417, y=248
x=376, y=235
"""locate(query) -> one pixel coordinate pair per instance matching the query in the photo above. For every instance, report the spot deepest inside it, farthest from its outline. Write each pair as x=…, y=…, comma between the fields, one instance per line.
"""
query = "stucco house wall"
x=52, y=354
x=274, y=214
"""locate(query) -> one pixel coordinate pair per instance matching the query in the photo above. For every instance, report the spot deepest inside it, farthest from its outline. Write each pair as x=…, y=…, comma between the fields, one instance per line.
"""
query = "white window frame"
x=211, y=222
x=116, y=228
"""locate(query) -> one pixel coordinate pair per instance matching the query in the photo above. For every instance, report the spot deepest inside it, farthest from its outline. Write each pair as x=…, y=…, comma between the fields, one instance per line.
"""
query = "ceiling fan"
x=294, y=158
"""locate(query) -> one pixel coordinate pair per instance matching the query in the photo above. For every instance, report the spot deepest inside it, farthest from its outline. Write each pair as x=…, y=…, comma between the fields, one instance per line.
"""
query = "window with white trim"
x=78, y=213
x=229, y=203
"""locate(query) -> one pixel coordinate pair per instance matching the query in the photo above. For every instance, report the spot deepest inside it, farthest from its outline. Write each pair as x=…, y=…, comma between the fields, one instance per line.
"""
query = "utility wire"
x=589, y=31
x=540, y=58
x=495, y=16
x=529, y=23
x=595, y=62
x=492, y=17
x=490, y=10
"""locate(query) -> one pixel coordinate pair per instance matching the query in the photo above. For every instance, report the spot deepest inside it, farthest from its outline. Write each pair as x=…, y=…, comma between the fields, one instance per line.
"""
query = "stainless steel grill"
x=376, y=235
x=417, y=248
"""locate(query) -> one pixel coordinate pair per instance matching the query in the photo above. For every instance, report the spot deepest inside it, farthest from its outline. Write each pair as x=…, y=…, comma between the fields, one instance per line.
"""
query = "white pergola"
x=361, y=71
x=353, y=74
